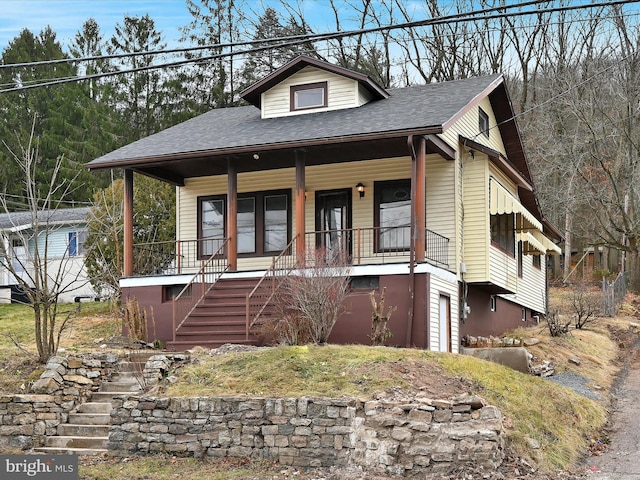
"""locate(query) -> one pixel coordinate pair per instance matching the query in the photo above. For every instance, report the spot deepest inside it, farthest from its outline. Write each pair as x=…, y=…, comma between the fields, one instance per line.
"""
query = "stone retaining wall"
x=26, y=420
x=397, y=438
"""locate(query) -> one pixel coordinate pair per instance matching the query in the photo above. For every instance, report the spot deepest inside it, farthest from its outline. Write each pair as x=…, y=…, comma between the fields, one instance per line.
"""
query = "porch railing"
x=378, y=244
x=359, y=245
x=170, y=258
x=193, y=292
x=267, y=286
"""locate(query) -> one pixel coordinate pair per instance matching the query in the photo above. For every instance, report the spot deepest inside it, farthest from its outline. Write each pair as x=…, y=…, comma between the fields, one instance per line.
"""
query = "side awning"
x=529, y=229
x=502, y=201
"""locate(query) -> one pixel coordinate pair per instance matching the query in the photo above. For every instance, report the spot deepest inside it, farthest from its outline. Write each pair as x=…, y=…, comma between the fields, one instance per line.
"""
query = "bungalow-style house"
x=60, y=244
x=426, y=190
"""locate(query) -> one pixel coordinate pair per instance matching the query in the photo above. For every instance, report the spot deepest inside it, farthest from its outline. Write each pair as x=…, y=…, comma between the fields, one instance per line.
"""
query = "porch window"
x=246, y=225
x=263, y=222
x=502, y=232
x=276, y=222
x=536, y=261
x=312, y=95
x=211, y=225
x=393, y=215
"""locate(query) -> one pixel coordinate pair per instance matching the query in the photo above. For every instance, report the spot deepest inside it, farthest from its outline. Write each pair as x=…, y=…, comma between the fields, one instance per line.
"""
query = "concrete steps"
x=87, y=429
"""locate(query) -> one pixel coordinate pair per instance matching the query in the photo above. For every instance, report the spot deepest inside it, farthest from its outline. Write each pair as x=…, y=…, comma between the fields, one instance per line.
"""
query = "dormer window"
x=311, y=95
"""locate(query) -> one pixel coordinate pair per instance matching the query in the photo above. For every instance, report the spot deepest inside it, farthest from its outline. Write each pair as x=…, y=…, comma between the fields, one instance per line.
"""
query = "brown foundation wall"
x=482, y=321
x=353, y=326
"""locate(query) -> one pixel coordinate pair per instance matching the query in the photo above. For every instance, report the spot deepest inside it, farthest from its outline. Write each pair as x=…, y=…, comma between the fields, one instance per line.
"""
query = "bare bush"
x=311, y=300
x=380, y=332
x=585, y=305
x=135, y=320
x=557, y=326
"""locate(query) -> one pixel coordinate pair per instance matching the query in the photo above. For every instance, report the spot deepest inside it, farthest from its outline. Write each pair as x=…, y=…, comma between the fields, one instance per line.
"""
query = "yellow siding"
x=531, y=287
x=468, y=127
x=342, y=93
x=440, y=199
x=363, y=95
x=439, y=286
x=476, y=217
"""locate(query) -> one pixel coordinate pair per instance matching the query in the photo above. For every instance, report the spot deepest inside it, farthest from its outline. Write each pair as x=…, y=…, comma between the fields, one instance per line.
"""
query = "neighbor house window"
x=393, y=215
x=76, y=241
x=312, y=95
x=492, y=303
x=483, y=122
x=502, y=232
x=263, y=222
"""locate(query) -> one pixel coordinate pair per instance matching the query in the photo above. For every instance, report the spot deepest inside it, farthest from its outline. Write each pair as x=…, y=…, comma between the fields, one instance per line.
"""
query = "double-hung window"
x=263, y=222
x=393, y=215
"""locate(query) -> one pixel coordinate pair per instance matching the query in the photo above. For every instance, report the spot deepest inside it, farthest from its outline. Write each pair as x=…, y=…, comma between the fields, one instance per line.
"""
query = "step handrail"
x=210, y=271
x=285, y=263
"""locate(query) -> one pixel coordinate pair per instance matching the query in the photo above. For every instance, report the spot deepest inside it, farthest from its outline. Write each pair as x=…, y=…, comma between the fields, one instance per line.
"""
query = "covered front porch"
x=252, y=226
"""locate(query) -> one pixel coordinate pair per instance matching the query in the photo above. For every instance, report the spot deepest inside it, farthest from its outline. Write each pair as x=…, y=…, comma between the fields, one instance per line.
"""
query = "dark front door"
x=333, y=223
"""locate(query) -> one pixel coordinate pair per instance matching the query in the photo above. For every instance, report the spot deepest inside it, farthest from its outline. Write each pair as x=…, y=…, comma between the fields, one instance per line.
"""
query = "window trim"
x=377, y=197
x=537, y=261
x=259, y=201
x=483, y=122
x=308, y=86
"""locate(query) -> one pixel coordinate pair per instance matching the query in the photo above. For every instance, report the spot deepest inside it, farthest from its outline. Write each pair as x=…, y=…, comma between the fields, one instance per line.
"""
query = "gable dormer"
x=307, y=85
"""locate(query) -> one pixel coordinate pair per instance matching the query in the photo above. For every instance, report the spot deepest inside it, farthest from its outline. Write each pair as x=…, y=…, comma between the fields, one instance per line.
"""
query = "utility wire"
x=308, y=36
x=456, y=18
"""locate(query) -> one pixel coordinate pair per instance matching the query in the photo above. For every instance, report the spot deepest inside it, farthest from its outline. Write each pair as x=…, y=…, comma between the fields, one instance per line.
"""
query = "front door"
x=333, y=223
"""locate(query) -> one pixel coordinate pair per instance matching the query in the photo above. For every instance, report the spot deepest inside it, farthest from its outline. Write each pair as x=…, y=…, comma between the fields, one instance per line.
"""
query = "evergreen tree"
x=138, y=96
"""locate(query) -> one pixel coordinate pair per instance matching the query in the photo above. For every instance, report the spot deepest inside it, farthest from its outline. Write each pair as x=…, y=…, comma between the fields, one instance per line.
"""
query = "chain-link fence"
x=612, y=294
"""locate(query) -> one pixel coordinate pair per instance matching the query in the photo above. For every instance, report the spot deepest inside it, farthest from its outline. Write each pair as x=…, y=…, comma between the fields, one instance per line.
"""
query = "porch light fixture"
x=360, y=189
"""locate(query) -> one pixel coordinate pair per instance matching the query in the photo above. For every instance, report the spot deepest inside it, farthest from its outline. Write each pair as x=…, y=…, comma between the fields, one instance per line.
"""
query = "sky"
x=67, y=16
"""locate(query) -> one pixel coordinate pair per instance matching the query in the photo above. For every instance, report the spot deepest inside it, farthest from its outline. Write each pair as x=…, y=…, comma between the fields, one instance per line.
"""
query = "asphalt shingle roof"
x=425, y=106
x=66, y=215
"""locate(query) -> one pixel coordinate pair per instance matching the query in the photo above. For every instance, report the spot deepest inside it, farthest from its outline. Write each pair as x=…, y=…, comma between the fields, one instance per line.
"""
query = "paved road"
x=621, y=461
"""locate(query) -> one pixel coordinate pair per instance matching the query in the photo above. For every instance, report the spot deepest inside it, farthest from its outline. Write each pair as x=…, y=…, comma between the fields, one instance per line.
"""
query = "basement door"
x=445, y=324
x=333, y=223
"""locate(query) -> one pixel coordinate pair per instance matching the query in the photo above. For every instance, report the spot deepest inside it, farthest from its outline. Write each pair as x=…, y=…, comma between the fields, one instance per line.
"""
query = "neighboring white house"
x=61, y=236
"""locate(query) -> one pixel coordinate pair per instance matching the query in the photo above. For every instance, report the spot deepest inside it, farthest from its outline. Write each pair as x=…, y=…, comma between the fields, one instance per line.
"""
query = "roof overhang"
x=175, y=168
x=499, y=160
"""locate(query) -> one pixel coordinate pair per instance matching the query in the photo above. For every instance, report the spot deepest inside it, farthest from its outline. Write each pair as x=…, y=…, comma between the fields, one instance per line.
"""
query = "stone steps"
x=87, y=429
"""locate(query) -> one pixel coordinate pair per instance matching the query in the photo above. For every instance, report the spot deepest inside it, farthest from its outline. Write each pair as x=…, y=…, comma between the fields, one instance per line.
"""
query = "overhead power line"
x=307, y=36
x=301, y=39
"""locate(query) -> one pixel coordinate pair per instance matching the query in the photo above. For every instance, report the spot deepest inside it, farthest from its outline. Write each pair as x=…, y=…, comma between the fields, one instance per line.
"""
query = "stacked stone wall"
x=26, y=420
x=397, y=438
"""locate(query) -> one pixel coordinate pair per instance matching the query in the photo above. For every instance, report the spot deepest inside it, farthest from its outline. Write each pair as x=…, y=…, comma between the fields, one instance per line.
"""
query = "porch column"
x=418, y=179
x=128, y=223
x=300, y=206
x=232, y=216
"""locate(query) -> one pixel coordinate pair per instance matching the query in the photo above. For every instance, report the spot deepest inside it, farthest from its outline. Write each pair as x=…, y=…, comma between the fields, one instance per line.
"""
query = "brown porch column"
x=128, y=223
x=300, y=206
x=232, y=216
x=418, y=179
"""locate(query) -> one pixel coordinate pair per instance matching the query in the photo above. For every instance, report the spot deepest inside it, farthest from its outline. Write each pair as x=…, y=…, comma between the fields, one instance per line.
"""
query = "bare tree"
x=41, y=279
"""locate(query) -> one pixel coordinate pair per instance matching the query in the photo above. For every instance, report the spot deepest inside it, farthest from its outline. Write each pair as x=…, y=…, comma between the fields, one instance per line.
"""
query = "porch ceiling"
x=177, y=169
